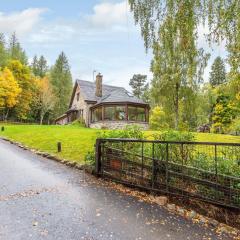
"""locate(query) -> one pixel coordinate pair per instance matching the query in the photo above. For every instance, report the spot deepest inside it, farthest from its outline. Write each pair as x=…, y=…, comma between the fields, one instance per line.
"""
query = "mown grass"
x=76, y=141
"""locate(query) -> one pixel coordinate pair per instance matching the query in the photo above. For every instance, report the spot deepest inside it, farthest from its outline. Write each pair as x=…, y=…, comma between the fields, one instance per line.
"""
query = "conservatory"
x=110, y=115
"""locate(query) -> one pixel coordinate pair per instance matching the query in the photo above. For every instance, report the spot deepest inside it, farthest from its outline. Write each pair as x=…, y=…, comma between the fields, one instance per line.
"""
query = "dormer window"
x=78, y=96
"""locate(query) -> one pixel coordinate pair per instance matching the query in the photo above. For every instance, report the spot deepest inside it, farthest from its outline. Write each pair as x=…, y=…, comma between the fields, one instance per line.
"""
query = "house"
x=104, y=106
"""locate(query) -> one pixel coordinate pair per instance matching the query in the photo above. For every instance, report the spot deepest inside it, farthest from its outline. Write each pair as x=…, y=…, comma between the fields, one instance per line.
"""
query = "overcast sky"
x=94, y=34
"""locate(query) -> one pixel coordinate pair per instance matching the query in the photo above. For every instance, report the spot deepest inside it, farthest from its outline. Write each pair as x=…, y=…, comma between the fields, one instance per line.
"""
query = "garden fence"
x=204, y=170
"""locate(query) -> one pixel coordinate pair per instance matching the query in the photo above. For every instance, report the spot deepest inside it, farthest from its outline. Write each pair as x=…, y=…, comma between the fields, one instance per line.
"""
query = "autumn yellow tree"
x=45, y=97
x=9, y=91
x=25, y=80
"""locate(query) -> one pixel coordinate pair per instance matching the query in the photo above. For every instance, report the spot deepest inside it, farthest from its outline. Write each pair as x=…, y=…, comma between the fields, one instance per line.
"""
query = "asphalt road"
x=42, y=199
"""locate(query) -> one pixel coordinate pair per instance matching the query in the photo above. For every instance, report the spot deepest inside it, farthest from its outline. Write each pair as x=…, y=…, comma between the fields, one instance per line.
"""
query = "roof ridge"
x=103, y=84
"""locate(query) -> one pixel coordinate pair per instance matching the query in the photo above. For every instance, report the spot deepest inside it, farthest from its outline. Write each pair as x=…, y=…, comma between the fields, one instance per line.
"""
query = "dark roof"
x=110, y=93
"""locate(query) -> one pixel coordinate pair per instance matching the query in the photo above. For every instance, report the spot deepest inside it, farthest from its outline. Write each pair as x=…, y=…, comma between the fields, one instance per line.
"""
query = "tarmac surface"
x=43, y=199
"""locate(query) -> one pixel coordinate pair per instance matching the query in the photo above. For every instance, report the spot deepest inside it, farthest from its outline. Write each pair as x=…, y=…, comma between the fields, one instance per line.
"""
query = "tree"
x=45, y=97
x=146, y=95
x=170, y=28
x=218, y=73
x=138, y=84
x=3, y=51
x=15, y=50
x=24, y=79
x=223, y=114
x=177, y=68
x=158, y=120
x=222, y=18
x=61, y=81
x=39, y=66
x=9, y=91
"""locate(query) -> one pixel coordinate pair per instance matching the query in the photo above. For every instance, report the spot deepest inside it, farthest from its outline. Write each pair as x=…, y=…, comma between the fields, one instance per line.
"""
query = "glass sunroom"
x=120, y=112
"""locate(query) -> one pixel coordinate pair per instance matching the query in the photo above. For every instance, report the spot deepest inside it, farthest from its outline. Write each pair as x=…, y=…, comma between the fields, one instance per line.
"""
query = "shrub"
x=172, y=135
x=133, y=132
x=158, y=119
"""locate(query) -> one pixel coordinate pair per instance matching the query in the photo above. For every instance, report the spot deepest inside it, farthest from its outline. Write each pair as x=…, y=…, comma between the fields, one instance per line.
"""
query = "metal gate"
x=203, y=170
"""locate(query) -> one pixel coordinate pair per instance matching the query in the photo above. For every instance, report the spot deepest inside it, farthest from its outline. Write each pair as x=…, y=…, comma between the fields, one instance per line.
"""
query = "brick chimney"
x=99, y=78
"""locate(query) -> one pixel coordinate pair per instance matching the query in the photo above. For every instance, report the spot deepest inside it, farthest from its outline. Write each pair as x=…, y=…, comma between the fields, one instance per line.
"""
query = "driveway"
x=42, y=199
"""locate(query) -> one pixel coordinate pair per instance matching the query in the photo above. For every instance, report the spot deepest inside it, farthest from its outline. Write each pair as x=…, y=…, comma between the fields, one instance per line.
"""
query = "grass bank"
x=76, y=141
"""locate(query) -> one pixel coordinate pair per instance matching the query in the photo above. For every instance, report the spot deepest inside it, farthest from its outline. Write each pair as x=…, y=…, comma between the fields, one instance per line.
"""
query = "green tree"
x=15, y=50
x=170, y=28
x=222, y=17
x=61, y=80
x=3, y=51
x=39, y=66
x=146, y=95
x=218, y=72
x=223, y=114
x=158, y=120
x=138, y=84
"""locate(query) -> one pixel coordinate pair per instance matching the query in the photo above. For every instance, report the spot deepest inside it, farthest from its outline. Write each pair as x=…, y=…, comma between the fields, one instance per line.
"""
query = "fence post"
x=59, y=146
x=167, y=156
x=98, y=156
x=153, y=165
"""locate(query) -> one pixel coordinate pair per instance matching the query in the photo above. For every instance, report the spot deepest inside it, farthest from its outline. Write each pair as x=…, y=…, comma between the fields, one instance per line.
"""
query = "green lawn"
x=76, y=141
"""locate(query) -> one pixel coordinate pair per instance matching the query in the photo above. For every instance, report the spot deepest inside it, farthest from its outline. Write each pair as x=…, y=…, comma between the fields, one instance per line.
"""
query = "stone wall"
x=81, y=104
x=117, y=125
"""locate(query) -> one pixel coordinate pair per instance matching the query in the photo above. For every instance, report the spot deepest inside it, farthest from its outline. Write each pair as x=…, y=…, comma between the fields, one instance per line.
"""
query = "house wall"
x=62, y=121
x=117, y=124
x=81, y=104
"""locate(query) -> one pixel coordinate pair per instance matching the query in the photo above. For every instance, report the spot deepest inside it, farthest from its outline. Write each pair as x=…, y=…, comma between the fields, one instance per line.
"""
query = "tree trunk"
x=177, y=107
x=41, y=117
x=6, y=115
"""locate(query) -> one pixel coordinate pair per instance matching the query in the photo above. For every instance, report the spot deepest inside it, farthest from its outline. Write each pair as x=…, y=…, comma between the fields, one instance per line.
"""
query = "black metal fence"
x=202, y=170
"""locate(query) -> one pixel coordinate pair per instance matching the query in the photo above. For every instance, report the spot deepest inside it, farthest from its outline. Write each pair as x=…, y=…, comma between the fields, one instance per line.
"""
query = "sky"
x=95, y=35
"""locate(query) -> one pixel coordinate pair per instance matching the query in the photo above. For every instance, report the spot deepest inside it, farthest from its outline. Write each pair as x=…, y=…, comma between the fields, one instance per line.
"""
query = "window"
x=141, y=114
x=132, y=116
x=120, y=113
x=97, y=114
x=136, y=114
x=78, y=96
x=109, y=113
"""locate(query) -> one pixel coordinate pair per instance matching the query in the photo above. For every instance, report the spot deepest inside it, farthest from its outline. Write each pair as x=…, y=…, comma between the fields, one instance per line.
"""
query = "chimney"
x=99, y=78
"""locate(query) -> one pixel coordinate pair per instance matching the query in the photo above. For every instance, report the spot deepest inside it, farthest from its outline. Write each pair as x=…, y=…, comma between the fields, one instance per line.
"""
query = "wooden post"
x=59, y=146
x=98, y=156
x=2, y=128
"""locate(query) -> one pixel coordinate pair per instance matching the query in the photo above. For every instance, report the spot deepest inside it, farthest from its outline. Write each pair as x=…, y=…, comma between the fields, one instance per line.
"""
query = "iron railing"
x=203, y=170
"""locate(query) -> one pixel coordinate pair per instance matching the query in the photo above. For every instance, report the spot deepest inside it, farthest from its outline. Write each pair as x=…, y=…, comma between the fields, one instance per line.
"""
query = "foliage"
x=138, y=84
x=172, y=135
x=39, y=66
x=131, y=132
x=15, y=50
x=218, y=73
x=222, y=18
x=24, y=79
x=9, y=90
x=3, y=51
x=158, y=119
x=235, y=127
x=61, y=80
x=223, y=114
x=45, y=97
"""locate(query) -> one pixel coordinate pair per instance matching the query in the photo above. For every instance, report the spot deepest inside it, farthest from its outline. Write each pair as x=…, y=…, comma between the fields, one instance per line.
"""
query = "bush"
x=172, y=135
x=133, y=132
x=158, y=119
x=130, y=132
x=79, y=122
x=235, y=127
